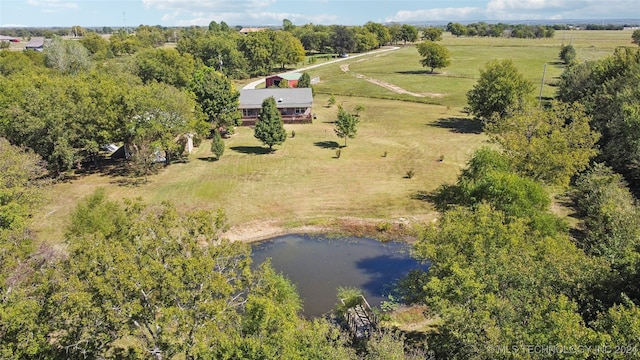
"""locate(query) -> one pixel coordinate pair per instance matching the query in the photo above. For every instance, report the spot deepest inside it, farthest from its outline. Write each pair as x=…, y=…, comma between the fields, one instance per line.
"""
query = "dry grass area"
x=302, y=183
x=412, y=319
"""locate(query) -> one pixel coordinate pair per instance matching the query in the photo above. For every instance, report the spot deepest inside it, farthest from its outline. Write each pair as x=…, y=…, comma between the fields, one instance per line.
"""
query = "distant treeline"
x=473, y=29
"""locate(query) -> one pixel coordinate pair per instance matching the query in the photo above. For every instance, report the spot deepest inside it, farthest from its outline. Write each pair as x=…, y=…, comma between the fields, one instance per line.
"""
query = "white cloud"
x=202, y=12
x=52, y=5
x=527, y=10
x=436, y=14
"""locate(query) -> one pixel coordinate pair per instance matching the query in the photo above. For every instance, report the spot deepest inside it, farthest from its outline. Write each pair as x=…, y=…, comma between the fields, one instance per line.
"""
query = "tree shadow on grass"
x=417, y=72
x=255, y=150
x=424, y=196
x=459, y=125
x=327, y=144
x=208, y=158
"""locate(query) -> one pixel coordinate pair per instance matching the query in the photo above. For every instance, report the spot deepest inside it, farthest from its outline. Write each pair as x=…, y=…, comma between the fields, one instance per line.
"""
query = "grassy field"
x=304, y=183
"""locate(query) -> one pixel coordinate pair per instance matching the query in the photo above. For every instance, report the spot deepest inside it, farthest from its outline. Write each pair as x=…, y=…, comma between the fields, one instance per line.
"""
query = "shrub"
x=410, y=174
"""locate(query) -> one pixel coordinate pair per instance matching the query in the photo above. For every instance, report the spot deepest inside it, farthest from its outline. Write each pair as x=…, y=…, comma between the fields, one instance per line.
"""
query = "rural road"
x=253, y=84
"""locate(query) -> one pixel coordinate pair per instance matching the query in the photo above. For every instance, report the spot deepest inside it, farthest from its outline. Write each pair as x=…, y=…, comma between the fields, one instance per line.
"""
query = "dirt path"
x=253, y=84
x=384, y=84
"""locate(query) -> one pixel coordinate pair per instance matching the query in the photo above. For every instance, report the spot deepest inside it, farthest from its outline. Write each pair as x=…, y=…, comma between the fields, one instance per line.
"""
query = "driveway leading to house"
x=252, y=85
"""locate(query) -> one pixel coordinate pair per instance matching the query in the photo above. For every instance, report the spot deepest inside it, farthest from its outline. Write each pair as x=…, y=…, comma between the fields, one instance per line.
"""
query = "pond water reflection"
x=317, y=265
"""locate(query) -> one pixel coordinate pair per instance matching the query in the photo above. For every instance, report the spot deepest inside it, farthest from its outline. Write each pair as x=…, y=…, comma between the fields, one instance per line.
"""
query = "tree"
x=96, y=44
x=550, y=145
x=432, y=33
x=287, y=25
x=567, y=54
x=287, y=49
x=482, y=303
x=68, y=57
x=269, y=127
x=611, y=232
x=381, y=32
x=164, y=65
x=217, y=145
x=159, y=114
x=218, y=98
x=408, y=33
x=346, y=125
x=304, y=81
x=456, y=29
x=343, y=39
x=635, y=37
x=500, y=90
x=283, y=84
x=365, y=40
x=433, y=55
x=258, y=50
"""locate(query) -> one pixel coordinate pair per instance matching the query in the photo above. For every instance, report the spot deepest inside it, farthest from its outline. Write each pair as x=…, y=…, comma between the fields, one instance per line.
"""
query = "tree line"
x=507, y=273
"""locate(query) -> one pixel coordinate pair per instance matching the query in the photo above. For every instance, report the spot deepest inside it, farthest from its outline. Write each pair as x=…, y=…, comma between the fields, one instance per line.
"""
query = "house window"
x=300, y=111
x=248, y=112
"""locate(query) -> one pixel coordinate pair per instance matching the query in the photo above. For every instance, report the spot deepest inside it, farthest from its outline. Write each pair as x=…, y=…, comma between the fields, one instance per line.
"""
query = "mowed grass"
x=448, y=86
x=302, y=181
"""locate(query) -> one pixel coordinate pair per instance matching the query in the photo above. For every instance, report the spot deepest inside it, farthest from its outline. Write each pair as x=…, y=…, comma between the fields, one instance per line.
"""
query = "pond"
x=318, y=265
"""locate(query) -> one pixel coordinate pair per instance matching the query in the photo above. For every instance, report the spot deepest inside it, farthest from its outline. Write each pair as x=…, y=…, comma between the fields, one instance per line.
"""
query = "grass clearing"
x=302, y=183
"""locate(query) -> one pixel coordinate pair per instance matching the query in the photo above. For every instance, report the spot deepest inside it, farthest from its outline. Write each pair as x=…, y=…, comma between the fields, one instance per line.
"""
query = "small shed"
x=274, y=81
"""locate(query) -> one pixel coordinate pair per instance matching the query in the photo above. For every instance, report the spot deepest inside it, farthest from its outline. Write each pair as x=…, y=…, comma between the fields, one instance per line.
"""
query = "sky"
x=118, y=13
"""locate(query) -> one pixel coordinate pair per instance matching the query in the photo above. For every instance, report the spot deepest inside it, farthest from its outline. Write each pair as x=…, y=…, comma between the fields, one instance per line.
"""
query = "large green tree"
x=67, y=56
x=218, y=98
x=434, y=56
x=164, y=65
x=287, y=49
x=158, y=115
x=550, y=145
x=269, y=127
x=501, y=90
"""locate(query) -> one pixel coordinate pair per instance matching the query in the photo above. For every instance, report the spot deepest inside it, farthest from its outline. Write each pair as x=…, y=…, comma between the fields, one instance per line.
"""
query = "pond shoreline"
x=400, y=229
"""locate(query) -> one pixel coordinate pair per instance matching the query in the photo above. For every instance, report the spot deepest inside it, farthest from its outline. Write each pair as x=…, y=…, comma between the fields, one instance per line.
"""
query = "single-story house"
x=36, y=43
x=294, y=104
x=275, y=80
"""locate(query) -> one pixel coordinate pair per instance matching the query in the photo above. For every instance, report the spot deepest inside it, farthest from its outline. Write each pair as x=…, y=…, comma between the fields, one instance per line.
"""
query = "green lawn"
x=303, y=183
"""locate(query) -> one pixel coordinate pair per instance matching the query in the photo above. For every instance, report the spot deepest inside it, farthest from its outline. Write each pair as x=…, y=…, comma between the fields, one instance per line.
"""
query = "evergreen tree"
x=269, y=127
x=304, y=81
x=217, y=145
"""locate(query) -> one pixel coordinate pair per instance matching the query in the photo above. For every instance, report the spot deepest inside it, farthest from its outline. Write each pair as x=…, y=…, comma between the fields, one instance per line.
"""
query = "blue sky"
x=118, y=13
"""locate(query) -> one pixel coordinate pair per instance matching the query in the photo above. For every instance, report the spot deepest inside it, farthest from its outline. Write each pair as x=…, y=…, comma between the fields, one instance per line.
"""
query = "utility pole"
x=544, y=72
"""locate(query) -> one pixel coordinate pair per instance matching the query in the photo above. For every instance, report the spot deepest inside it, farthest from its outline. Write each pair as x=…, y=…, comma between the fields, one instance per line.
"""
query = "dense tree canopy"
x=149, y=282
x=550, y=145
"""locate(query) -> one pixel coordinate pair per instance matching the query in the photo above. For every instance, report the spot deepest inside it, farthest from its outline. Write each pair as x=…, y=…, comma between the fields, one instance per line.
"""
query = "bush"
x=410, y=174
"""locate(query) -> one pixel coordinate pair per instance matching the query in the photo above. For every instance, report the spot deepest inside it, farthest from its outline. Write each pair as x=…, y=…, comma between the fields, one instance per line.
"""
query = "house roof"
x=8, y=38
x=35, y=42
x=296, y=97
x=245, y=30
x=289, y=76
